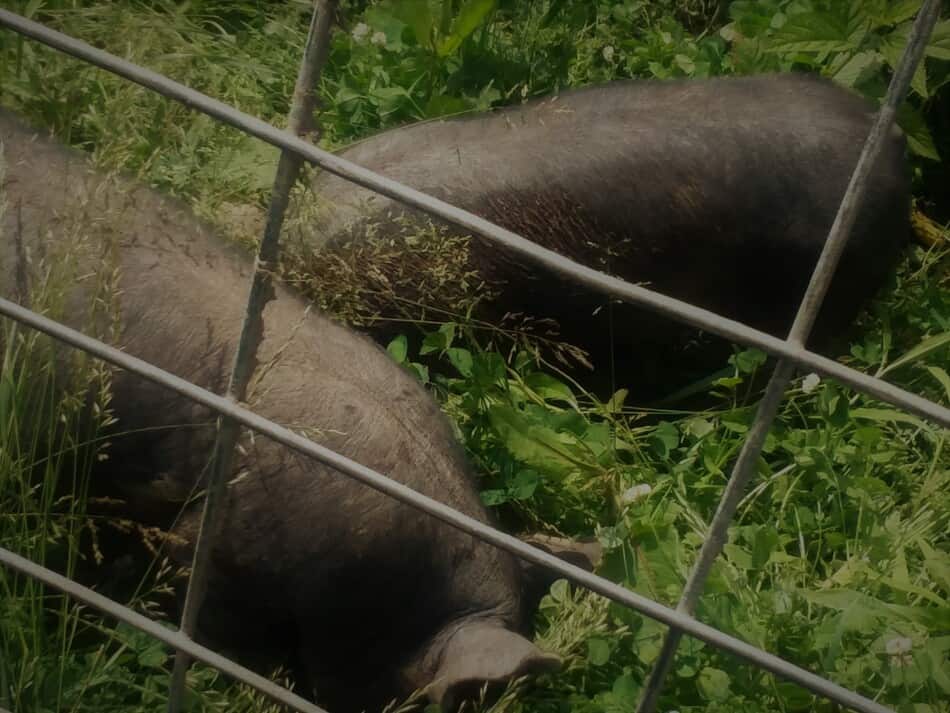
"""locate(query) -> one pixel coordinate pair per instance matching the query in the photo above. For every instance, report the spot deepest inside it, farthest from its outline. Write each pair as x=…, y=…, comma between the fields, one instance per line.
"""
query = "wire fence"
x=791, y=353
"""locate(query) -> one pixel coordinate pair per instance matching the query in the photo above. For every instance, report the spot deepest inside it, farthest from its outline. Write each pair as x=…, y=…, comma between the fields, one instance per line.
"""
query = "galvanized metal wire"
x=791, y=353
x=405, y=494
x=598, y=281
x=170, y=637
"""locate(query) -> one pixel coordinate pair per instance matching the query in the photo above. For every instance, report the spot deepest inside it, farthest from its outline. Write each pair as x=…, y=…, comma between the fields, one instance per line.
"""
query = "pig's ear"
x=480, y=654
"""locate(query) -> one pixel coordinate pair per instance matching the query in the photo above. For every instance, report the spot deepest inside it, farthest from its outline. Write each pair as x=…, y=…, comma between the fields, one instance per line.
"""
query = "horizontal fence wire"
x=598, y=281
x=170, y=637
x=465, y=523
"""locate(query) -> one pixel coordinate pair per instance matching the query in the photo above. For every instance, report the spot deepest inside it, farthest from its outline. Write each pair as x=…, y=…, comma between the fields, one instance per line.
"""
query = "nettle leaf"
x=859, y=68
x=535, y=445
x=892, y=49
x=897, y=11
x=939, y=46
x=936, y=563
x=819, y=32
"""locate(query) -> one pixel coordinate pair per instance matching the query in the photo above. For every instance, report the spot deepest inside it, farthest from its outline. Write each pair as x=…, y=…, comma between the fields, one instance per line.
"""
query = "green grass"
x=838, y=557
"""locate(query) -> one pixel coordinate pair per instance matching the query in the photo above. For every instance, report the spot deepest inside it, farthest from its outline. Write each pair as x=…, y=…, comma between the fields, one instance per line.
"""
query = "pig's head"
x=475, y=654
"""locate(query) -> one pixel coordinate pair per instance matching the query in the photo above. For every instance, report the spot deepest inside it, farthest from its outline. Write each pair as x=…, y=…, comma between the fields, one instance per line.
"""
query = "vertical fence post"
x=801, y=328
x=300, y=123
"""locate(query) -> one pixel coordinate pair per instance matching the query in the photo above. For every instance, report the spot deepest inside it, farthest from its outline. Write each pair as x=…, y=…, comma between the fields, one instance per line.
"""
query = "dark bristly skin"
x=719, y=192
x=369, y=598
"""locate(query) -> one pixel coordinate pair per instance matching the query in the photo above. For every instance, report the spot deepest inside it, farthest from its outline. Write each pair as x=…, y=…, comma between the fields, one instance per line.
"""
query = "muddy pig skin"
x=369, y=598
x=719, y=192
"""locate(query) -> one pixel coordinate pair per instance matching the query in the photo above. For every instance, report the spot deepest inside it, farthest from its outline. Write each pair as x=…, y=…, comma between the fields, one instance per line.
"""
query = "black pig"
x=368, y=597
x=718, y=192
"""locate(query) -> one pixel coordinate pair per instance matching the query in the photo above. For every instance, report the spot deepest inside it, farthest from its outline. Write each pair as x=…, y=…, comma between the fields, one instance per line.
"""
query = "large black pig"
x=369, y=598
x=718, y=192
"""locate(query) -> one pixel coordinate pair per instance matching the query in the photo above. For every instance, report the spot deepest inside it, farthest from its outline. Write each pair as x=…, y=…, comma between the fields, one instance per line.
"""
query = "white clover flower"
x=360, y=31
x=810, y=383
x=898, y=645
x=898, y=649
x=608, y=53
x=379, y=39
x=636, y=493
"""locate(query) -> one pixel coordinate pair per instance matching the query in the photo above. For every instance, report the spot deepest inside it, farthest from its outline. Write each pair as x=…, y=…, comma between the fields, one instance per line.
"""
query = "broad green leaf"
x=862, y=609
x=937, y=564
x=421, y=371
x=549, y=388
x=918, y=134
x=471, y=16
x=764, y=542
x=738, y=556
x=383, y=18
x=398, y=349
x=524, y=484
x=858, y=68
x=903, y=585
x=536, y=446
x=658, y=555
x=494, y=497
x=461, y=359
x=941, y=376
x=927, y=346
x=886, y=414
x=748, y=360
x=416, y=14
x=488, y=369
x=445, y=104
x=817, y=32
x=389, y=99
x=665, y=438
x=713, y=684
x=153, y=657
x=598, y=652
x=939, y=46
x=892, y=49
x=615, y=403
x=440, y=340
x=625, y=689
x=897, y=11
x=699, y=427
